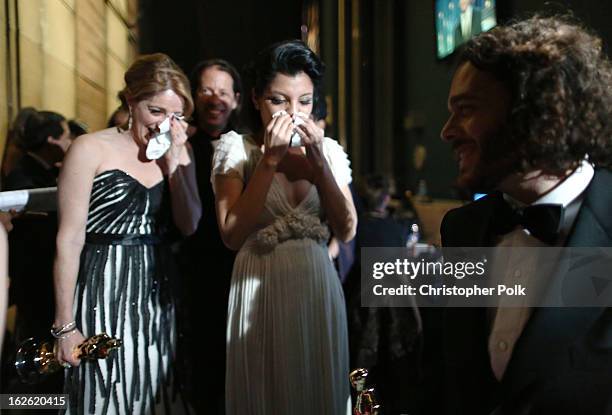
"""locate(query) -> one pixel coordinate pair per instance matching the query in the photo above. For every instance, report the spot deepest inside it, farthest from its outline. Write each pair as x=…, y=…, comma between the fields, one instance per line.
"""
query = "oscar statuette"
x=365, y=404
x=35, y=360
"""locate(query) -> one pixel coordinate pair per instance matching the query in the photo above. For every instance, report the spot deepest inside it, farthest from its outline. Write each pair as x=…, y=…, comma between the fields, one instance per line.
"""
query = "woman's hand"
x=66, y=348
x=312, y=137
x=177, y=150
x=277, y=137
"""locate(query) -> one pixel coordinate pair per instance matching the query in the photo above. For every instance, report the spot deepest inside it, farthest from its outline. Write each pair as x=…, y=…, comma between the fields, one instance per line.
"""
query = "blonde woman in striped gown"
x=113, y=265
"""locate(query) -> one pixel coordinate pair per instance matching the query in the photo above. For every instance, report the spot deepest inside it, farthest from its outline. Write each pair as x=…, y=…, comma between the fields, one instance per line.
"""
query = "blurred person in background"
x=216, y=89
x=45, y=140
x=342, y=253
x=77, y=128
x=470, y=22
x=12, y=146
x=119, y=118
x=385, y=340
x=12, y=149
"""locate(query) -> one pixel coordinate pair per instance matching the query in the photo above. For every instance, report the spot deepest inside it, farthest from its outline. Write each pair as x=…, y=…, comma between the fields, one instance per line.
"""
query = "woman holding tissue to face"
x=120, y=194
x=287, y=349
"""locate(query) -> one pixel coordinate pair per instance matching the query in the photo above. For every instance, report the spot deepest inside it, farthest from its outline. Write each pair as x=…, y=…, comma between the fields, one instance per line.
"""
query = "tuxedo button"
x=502, y=345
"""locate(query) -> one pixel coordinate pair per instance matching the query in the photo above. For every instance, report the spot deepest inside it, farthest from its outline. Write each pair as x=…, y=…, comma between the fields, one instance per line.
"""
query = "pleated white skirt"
x=287, y=347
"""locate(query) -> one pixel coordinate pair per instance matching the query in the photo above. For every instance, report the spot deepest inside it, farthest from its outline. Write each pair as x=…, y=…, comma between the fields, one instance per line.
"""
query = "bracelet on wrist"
x=58, y=332
x=65, y=336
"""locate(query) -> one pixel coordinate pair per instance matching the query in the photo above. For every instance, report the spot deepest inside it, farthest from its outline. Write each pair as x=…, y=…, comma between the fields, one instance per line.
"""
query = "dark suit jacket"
x=562, y=362
x=29, y=173
x=33, y=236
x=475, y=29
x=207, y=254
x=206, y=265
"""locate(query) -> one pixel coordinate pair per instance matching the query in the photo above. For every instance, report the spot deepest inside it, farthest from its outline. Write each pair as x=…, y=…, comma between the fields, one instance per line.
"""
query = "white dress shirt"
x=510, y=321
x=466, y=22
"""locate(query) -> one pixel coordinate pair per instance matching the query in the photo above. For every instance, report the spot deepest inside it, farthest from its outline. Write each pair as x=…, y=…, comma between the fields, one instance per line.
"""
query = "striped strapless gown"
x=123, y=290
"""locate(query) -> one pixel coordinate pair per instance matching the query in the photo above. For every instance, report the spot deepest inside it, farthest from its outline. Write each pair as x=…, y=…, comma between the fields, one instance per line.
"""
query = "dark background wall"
x=396, y=88
x=192, y=30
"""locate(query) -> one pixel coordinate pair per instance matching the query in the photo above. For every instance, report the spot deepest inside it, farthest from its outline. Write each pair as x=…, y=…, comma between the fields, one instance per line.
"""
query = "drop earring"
x=130, y=118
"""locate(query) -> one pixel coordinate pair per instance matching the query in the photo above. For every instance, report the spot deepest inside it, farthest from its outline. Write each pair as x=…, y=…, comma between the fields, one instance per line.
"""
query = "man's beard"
x=499, y=157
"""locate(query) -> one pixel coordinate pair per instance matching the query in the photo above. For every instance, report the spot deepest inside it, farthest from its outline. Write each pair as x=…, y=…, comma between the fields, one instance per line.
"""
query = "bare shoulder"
x=97, y=144
x=102, y=138
x=88, y=151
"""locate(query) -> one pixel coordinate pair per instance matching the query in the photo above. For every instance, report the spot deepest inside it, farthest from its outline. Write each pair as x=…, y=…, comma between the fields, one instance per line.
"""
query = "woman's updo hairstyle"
x=152, y=74
x=289, y=58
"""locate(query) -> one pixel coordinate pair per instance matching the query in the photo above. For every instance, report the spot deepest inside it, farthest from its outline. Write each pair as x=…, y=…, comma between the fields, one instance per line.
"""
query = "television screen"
x=459, y=20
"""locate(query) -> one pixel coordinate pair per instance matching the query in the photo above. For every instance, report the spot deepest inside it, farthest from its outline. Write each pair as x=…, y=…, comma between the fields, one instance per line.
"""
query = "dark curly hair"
x=561, y=85
x=290, y=58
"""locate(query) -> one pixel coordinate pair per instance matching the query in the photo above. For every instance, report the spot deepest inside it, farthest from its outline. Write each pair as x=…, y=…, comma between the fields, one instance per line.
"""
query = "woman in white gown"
x=287, y=349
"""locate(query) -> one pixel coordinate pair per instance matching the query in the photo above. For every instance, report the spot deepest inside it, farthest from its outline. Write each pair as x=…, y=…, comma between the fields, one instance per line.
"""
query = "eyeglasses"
x=209, y=92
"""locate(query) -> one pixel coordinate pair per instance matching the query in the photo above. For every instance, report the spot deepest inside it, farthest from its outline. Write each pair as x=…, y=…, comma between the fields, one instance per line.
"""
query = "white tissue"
x=298, y=119
x=159, y=144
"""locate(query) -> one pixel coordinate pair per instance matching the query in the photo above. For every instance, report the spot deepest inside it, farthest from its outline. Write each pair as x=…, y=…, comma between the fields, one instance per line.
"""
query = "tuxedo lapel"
x=466, y=329
x=593, y=226
x=545, y=342
x=470, y=225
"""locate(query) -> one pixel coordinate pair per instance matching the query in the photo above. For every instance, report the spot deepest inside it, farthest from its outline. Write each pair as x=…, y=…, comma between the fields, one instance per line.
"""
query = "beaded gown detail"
x=123, y=289
x=287, y=347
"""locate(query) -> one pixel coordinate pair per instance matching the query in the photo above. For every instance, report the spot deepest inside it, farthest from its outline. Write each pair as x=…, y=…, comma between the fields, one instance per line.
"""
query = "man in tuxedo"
x=469, y=24
x=206, y=262
x=530, y=124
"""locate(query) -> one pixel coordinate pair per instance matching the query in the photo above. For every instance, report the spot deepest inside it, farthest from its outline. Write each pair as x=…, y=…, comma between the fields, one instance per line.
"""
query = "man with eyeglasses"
x=217, y=89
x=206, y=262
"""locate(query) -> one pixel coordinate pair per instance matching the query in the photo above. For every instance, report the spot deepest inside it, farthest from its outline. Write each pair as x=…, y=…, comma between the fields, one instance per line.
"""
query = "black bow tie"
x=543, y=221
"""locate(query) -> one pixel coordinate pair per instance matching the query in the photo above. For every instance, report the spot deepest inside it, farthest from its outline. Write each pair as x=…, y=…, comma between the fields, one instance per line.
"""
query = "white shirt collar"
x=466, y=21
x=569, y=193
